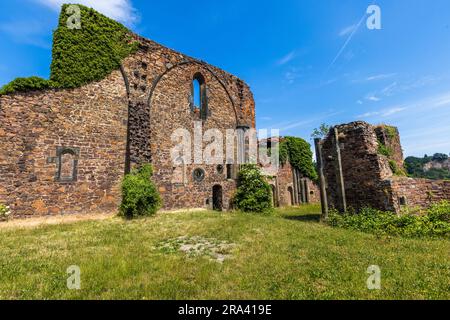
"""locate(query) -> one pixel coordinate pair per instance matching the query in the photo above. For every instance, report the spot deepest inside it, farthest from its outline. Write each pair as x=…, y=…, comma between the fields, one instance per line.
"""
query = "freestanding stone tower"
x=363, y=166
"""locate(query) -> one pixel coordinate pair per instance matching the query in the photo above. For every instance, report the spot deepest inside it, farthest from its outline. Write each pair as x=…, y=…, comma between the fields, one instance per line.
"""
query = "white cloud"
x=287, y=58
x=383, y=113
x=372, y=97
x=120, y=10
x=381, y=76
x=442, y=102
x=389, y=90
x=292, y=75
x=392, y=111
x=348, y=30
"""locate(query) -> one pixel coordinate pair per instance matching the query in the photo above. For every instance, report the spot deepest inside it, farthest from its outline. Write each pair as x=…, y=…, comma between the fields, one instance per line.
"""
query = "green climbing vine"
x=81, y=56
x=299, y=154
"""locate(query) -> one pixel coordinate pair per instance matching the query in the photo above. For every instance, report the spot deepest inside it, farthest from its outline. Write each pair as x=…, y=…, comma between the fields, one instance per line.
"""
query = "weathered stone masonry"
x=367, y=174
x=36, y=127
x=65, y=151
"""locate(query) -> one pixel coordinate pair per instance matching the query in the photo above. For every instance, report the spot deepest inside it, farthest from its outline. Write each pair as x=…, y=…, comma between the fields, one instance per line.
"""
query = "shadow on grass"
x=304, y=218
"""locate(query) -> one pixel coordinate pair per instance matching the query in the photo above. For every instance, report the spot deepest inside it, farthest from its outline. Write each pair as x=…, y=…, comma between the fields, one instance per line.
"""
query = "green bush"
x=140, y=196
x=440, y=212
x=25, y=84
x=254, y=194
x=5, y=212
x=435, y=223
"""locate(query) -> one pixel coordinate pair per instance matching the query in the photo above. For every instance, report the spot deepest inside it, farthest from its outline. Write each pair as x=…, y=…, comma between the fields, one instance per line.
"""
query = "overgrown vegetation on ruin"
x=390, y=133
x=140, y=196
x=434, y=222
x=81, y=56
x=25, y=84
x=299, y=154
x=253, y=193
x=286, y=255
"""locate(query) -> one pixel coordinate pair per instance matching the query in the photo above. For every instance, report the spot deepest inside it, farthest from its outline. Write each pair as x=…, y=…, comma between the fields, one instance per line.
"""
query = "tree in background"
x=321, y=132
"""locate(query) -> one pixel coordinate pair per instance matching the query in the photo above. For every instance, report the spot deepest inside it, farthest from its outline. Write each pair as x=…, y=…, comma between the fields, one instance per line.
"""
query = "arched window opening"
x=199, y=103
x=197, y=94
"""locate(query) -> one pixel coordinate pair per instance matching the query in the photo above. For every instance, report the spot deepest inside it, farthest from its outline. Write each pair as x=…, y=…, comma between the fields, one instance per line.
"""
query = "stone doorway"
x=217, y=198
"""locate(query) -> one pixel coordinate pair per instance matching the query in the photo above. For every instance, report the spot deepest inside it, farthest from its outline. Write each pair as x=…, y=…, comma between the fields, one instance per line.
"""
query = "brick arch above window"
x=158, y=79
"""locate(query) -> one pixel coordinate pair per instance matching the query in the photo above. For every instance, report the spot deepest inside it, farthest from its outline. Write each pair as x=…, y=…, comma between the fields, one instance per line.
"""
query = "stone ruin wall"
x=363, y=169
x=109, y=127
x=91, y=120
x=304, y=189
x=368, y=177
x=159, y=81
x=418, y=192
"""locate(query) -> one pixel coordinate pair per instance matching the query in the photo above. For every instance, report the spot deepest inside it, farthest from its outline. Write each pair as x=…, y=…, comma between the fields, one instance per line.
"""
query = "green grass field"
x=289, y=255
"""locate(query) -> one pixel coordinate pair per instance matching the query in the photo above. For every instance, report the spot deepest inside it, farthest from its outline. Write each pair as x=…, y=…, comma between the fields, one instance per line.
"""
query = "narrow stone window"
x=196, y=94
x=229, y=171
x=67, y=164
x=199, y=104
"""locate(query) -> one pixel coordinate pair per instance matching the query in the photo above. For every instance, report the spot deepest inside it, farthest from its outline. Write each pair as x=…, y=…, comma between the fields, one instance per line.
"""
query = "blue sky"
x=288, y=52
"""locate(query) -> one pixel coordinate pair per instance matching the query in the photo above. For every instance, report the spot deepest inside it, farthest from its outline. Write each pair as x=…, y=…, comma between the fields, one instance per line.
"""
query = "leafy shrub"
x=140, y=196
x=253, y=193
x=435, y=223
x=25, y=84
x=5, y=212
x=440, y=212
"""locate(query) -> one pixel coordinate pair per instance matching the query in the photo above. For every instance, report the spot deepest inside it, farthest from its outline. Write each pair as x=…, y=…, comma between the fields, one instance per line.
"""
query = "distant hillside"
x=435, y=167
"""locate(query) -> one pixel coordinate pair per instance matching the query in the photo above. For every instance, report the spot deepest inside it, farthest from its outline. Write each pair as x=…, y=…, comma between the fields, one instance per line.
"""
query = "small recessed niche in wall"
x=220, y=169
x=402, y=201
x=67, y=164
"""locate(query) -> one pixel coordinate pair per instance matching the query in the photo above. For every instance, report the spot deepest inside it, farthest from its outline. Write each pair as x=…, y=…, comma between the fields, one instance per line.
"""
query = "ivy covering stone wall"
x=83, y=55
x=299, y=154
